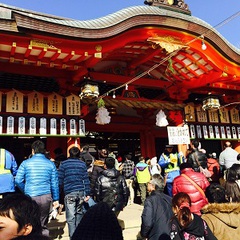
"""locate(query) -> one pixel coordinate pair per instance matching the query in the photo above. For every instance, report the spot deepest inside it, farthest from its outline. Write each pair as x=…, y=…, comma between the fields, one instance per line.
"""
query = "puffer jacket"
x=181, y=184
x=38, y=176
x=112, y=178
x=98, y=167
x=223, y=219
x=201, y=157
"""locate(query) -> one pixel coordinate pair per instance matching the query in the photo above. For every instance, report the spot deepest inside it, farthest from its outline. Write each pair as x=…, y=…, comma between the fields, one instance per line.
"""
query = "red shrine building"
x=150, y=67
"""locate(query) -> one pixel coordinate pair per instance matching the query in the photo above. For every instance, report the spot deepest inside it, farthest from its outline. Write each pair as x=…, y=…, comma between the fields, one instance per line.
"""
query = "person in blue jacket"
x=74, y=179
x=8, y=170
x=170, y=161
x=37, y=177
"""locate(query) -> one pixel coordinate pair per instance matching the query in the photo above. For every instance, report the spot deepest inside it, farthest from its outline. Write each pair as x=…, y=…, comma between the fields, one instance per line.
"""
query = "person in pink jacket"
x=194, y=184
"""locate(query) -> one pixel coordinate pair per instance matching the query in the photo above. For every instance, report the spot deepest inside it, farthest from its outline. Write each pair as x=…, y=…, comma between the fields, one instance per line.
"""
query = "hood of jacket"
x=226, y=212
x=111, y=173
x=141, y=166
x=196, y=226
x=99, y=163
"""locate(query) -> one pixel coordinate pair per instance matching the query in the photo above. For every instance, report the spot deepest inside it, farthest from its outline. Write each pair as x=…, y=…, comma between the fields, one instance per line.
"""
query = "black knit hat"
x=98, y=223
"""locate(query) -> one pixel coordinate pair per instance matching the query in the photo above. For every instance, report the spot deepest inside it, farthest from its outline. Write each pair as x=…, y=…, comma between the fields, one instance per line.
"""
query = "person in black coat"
x=111, y=187
x=157, y=211
x=197, y=156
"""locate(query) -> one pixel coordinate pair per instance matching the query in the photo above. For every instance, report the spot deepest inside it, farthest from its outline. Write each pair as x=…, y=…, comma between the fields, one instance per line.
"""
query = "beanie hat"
x=98, y=223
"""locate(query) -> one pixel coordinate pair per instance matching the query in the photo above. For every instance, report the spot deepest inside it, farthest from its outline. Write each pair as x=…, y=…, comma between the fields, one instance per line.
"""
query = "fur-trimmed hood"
x=221, y=208
x=223, y=219
x=226, y=213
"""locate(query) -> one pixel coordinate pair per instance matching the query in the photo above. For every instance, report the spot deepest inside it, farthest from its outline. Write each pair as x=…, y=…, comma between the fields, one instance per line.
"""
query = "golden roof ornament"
x=175, y=5
x=168, y=43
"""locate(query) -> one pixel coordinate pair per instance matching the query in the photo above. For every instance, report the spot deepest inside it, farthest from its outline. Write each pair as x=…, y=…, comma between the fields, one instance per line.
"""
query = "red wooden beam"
x=55, y=56
x=28, y=51
x=69, y=56
x=42, y=54
x=118, y=79
x=13, y=49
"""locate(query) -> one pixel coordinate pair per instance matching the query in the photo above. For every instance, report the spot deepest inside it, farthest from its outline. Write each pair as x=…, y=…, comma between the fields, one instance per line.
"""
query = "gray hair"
x=158, y=182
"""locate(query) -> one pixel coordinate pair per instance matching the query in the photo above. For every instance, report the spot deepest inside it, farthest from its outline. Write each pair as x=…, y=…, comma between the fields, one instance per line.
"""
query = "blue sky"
x=211, y=11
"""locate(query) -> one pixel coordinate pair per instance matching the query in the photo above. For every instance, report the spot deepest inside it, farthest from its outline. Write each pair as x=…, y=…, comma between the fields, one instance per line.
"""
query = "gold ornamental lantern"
x=89, y=91
x=211, y=103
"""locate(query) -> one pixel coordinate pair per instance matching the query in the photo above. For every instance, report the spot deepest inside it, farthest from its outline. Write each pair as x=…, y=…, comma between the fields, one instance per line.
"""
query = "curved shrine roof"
x=116, y=48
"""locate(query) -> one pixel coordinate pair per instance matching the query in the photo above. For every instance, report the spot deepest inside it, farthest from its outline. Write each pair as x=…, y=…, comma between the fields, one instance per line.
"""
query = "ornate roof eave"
x=114, y=24
x=120, y=21
x=129, y=20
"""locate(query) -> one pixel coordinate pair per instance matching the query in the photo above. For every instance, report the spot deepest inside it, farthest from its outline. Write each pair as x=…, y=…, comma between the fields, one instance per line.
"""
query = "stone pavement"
x=129, y=219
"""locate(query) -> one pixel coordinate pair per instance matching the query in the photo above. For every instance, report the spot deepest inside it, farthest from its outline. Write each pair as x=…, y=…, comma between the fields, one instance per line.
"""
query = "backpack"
x=111, y=195
x=155, y=169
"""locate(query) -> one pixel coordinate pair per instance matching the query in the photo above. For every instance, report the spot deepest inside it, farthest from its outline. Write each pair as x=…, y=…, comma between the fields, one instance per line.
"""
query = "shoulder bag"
x=195, y=185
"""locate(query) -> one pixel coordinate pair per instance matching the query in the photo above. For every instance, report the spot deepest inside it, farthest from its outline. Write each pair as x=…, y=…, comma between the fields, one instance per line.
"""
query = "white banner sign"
x=234, y=132
x=82, y=128
x=43, y=126
x=178, y=135
x=21, y=125
x=223, y=134
x=211, y=132
x=217, y=133
x=228, y=130
x=199, y=131
x=192, y=131
x=205, y=131
x=238, y=132
x=32, y=125
x=73, y=127
x=63, y=126
x=53, y=126
x=10, y=125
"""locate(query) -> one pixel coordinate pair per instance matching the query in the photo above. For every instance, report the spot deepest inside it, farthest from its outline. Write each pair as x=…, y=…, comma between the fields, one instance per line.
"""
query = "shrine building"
x=157, y=74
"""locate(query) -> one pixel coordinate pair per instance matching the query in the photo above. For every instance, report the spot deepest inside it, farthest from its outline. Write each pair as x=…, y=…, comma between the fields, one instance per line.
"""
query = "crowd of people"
x=196, y=196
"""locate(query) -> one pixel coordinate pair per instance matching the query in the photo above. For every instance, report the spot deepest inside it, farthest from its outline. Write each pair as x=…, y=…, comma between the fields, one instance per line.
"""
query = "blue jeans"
x=74, y=210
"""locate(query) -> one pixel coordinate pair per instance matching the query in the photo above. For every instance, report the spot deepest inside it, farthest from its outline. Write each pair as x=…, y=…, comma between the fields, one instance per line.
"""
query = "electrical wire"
x=229, y=104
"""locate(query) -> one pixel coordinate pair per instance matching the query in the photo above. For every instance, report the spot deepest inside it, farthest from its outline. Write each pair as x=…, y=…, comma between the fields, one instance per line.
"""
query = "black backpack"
x=111, y=195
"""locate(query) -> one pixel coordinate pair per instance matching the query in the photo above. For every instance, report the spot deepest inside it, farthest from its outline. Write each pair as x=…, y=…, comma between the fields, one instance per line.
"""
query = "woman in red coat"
x=194, y=184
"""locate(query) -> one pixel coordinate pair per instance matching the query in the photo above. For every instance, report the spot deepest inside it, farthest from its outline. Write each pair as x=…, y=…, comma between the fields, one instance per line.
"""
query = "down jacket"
x=181, y=184
x=38, y=176
x=111, y=178
x=223, y=219
x=98, y=167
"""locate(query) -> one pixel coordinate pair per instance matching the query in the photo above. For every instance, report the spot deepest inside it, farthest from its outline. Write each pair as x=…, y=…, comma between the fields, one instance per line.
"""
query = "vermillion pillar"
x=147, y=143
